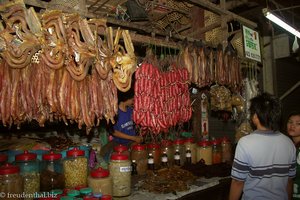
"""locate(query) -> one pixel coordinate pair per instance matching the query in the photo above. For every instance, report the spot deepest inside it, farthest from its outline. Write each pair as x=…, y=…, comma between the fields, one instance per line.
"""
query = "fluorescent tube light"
x=281, y=23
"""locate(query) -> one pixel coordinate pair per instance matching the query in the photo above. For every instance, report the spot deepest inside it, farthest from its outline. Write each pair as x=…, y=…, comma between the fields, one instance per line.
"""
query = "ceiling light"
x=279, y=22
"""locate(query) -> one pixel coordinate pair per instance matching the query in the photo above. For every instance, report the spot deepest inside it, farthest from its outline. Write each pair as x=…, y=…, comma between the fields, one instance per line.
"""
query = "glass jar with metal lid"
x=100, y=181
x=167, y=146
x=179, y=145
x=190, y=143
x=140, y=155
x=52, y=176
x=120, y=170
x=204, y=152
x=122, y=149
x=11, y=181
x=75, y=168
x=154, y=149
x=30, y=172
x=3, y=159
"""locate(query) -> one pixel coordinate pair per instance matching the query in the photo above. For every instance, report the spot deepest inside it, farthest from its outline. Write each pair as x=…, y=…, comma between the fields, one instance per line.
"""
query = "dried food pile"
x=208, y=171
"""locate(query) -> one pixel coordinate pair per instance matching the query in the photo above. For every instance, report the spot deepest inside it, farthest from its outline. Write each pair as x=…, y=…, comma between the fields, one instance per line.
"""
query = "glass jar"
x=10, y=181
x=120, y=169
x=204, y=152
x=3, y=159
x=155, y=150
x=139, y=154
x=167, y=146
x=122, y=149
x=100, y=181
x=52, y=176
x=179, y=145
x=226, y=150
x=75, y=168
x=189, y=143
x=29, y=170
x=216, y=151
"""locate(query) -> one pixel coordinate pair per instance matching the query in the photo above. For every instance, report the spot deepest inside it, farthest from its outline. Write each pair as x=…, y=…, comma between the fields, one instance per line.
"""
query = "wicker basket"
x=214, y=37
x=78, y=6
x=237, y=43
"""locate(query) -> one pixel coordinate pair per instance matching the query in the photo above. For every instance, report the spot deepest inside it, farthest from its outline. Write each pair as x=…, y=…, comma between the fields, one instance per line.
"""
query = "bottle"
x=164, y=160
x=150, y=162
x=177, y=157
x=134, y=167
x=188, y=156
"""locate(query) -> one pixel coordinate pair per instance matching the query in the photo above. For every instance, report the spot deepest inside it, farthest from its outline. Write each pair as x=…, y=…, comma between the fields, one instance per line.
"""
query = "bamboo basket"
x=78, y=6
x=214, y=37
x=237, y=43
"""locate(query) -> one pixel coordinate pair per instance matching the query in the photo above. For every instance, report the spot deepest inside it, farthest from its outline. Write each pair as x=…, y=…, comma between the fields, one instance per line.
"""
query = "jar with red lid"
x=140, y=155
x=204, y=152
x=179, y=145
x=226, y=150
x=100, y=181
x=216, y=151
x=3, y=159
x=52, y=176
x=167, y=146
x=106, y=197
x=75, y=167
x=120, y=170
x=189, y=143
x=11, y=181
x=155, y=150
x=122, y=149
x=30, y=172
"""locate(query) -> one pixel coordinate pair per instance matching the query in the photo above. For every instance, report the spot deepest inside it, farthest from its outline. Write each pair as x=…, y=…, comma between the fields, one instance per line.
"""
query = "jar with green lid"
x=75, y=167
x=204, y=152
x=216, y=151
x=29, y=170
x=73, y=193
x=167, y=146
x=52, y=176
x=120, y=170
x=226, y=150
x=154, y=149
x=179, y=145
x=3, y=159
x=122, y=149
x=100, y=181
x=57, y=193
x=86, y=191
x=66, y=198
x=190, y=143
x=10, y=180
x=140, y=155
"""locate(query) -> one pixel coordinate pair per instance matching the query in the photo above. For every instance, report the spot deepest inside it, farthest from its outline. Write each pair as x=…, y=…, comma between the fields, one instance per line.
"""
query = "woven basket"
x=237, y=43
x=68, y=5
x=214, y=36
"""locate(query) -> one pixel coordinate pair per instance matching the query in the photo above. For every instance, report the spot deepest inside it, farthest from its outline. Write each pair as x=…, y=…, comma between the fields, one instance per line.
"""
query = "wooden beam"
x=218, y=10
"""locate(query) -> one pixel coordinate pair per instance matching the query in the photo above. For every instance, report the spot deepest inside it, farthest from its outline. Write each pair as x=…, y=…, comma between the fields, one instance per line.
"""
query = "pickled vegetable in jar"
x=139, y=154
x=52, y=176
x=216, y=151
x=226, y=150
x=190, y=143
x=167, y=146
x=120, y=170
x=155, y=150
x=10, y=180
x=204, y=152
x=100, y=181
x=179, y=145
x=122, y=149
x=29, y=170
x=75, y=167
x=3, y=159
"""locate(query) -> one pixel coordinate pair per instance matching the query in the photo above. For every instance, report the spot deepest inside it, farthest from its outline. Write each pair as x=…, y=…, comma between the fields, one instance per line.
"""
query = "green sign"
x=251, y=44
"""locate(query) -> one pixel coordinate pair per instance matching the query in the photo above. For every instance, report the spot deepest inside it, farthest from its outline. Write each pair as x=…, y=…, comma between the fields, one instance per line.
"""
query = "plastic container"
x=167, y=146
x=75, y=167
x=29, y=170
x=86, y=191
x=73, y=193
x=122, y=149
x=3, y=159
x=204, y=152
x=139, y=154
x=190, y=143
x=10, y=180
x=100, y=181
x=216, y=151
x=179, y=145
x=226, y=149
x=52, y=176
x=155, y=150
x=120, y=169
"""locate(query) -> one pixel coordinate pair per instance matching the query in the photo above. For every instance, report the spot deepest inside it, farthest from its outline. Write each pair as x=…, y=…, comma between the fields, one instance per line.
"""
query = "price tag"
x=125, y=169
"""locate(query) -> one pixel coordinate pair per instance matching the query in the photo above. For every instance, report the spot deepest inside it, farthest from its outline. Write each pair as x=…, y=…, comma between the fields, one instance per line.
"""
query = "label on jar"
x=164, y=159
x=177, y=157
x=125, y=169
x=150, y=161
x=188, y=155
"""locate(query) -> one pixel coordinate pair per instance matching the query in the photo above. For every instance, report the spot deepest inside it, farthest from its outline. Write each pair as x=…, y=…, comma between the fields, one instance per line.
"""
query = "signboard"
x=251, y=44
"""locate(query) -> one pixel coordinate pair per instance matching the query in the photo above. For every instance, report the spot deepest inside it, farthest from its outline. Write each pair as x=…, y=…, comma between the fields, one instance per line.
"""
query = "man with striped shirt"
x=264, y=162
